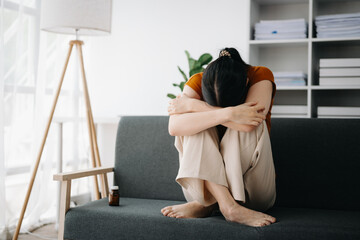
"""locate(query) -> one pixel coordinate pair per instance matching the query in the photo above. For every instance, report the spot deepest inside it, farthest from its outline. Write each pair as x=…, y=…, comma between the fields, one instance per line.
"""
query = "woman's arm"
x=261, y=92
x=190, y=123
x=186, y=124
x=245, y=118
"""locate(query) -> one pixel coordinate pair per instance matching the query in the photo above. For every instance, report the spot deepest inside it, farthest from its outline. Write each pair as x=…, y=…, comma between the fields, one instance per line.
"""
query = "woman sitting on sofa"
x=222, y=123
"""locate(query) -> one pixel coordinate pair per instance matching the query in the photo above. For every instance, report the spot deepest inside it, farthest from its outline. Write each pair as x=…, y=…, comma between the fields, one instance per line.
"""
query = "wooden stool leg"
x=16, y=233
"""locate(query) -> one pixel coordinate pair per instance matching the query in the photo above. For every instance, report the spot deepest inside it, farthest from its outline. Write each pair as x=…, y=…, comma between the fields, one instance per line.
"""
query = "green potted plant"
x=195, y=66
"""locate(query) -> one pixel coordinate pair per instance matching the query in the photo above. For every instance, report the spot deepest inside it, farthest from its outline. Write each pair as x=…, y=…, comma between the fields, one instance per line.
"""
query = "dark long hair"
x=224, y=80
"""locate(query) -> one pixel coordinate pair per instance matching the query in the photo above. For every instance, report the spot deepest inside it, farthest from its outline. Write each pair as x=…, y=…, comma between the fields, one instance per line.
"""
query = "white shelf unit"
x=304, y=54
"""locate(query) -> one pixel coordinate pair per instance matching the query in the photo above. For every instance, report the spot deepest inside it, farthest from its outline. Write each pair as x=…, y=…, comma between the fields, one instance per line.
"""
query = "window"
x=20, y=42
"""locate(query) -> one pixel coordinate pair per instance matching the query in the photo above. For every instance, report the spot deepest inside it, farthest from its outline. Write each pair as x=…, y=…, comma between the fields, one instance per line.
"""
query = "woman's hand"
x=248, y=113
x=180, y=104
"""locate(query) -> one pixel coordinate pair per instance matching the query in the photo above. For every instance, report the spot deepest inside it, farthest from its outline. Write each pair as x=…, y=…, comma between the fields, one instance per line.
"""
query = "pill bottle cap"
x=115, y=188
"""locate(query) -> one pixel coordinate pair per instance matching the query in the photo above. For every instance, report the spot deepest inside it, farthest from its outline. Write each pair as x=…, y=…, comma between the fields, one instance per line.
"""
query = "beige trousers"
x=241, y=161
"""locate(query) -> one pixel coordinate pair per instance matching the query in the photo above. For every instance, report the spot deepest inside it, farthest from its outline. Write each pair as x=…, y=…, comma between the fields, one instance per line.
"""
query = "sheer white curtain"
x=2, y=157
x=30, y=67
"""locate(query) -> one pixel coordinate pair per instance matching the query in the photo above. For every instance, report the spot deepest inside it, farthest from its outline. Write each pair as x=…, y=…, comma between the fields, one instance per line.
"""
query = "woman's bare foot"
x=243, y=215
x=187, y=210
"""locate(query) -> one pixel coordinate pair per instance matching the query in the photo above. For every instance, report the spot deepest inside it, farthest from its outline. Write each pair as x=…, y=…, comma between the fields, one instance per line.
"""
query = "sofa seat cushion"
x=308, y=223
x=142, y=219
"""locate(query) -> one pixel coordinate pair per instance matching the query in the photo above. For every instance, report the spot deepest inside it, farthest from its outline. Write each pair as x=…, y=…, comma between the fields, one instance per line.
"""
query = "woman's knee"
x=210, y=133
x=206, y=139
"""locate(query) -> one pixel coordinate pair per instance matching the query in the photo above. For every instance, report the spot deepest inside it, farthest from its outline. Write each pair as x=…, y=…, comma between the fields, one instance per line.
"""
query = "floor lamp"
x=79, y=17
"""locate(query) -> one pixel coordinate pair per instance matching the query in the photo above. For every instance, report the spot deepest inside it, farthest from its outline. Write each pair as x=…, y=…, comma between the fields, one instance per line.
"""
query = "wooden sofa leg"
x=65, y=191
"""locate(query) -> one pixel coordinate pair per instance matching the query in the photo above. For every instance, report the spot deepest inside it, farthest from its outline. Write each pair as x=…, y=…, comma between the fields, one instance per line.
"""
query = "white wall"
x=131, y=71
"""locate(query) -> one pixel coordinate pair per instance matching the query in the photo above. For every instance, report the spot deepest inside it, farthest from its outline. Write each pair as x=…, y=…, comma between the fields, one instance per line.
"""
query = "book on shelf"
x=339, y=72
x=338, y=111
x=336, y=35
x=289, y=116
x=280, y=29
x=338, y=28
x=289, y=109
x=338, y=81
x=335, y=116
x=292, y=82
x=295, y=78
x=338, y=25
x=339, y=62
x=292, y=74
x=259, y=36
x=338, y=17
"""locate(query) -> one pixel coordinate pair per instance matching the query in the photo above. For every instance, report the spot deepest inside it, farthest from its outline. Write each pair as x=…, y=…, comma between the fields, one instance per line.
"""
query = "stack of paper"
x=338, y=25
x=339, y=112
x=289, y=110
x=280, y=29
x=297, y=78
x=339, y=71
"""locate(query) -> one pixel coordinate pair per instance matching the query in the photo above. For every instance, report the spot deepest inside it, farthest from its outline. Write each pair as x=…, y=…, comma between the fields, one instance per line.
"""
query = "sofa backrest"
x=146, y=161
x=317, y=161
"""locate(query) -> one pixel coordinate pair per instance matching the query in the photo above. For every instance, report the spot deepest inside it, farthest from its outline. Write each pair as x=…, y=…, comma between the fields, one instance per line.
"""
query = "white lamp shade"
x=89, y=17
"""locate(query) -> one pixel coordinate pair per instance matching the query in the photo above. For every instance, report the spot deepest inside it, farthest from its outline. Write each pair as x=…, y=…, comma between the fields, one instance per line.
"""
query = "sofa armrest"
x=65, y=190
x=82, y=173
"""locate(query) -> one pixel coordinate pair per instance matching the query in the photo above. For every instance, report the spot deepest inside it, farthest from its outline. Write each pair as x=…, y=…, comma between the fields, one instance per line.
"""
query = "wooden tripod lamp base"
x=95, y=156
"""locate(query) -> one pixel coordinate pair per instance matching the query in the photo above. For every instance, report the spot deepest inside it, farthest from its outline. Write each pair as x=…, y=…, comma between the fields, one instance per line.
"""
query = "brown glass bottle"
x=114, y=196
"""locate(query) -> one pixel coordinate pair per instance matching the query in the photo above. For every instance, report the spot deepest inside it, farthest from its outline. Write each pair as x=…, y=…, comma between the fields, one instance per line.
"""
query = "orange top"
x=255, y=75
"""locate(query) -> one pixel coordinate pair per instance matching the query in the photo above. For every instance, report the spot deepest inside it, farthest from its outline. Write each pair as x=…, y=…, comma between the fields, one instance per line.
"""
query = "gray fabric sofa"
x=317, y=164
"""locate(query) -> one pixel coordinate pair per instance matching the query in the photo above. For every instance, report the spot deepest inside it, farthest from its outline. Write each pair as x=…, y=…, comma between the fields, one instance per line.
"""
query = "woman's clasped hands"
x=180, y=104
x=249, y=113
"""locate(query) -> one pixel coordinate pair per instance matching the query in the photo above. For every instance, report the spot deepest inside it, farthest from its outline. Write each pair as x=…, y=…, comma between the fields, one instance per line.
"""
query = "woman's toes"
x=262, y=224
x=271, y=219
x=165, y=208
x=166, y=212
x=268, y=217
x=267, y=222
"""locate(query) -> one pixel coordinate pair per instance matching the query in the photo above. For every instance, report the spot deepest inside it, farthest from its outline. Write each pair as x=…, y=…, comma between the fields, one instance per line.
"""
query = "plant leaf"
x=197, y=65
x=175, y=85
x=183, y=74
x=191, y=65
x=190, y=60
x=182, y=84
x=170, y=95
x=205, y=59
x=196, y=70
x=187, y=54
